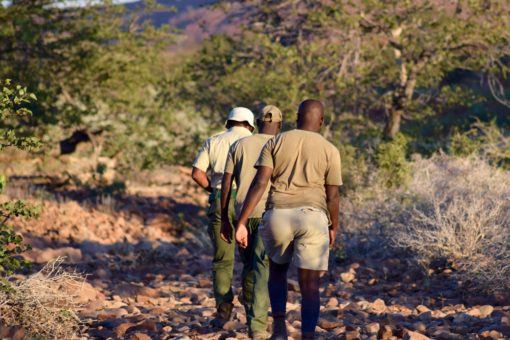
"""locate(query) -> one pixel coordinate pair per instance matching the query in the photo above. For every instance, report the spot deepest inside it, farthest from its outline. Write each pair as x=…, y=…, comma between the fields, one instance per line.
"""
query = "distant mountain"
x=196, y=19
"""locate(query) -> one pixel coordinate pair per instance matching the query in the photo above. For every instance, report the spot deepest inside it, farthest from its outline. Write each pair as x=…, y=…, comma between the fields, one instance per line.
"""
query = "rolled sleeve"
x=266, y=155
x=202, y=161
x=334, y=173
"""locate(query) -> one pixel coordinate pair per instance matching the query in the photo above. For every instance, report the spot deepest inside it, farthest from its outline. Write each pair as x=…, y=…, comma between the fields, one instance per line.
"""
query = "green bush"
x=13, y=101
x=483, y=139
x=394, y=169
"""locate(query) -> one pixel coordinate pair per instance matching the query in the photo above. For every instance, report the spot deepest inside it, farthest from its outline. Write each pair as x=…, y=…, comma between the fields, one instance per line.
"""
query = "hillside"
x=195, y=19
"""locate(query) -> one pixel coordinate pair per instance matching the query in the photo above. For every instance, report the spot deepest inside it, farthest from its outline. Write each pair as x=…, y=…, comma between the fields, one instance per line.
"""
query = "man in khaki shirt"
x=240, y=167
x=301, y=219
x=212, y=157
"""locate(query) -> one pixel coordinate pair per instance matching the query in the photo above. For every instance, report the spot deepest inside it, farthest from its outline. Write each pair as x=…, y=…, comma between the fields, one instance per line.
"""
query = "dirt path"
x=147, y=263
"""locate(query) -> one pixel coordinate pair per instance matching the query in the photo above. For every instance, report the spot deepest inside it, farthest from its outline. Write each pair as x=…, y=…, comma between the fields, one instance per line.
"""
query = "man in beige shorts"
x=301, y=215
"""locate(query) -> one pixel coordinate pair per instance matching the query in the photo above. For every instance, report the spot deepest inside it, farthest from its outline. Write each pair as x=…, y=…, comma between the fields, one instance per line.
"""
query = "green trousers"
x=255, y=276
x=255, y=297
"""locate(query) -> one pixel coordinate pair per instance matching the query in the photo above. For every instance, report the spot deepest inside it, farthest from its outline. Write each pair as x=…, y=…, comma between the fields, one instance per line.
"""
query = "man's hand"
x=226, y=231
x=332, y=238
x=242, y=235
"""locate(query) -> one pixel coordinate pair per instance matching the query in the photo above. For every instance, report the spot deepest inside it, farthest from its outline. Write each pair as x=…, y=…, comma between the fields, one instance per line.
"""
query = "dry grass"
x=44, y=303
x=455, y=209
x=461, y=212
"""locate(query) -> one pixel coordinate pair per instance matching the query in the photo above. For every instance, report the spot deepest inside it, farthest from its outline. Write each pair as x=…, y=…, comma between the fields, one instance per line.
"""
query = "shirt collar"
x=239, y=130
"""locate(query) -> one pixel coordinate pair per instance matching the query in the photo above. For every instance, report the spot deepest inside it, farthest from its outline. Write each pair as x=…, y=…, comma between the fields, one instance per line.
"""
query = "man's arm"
x=200, y=177
x=257, y=189
x=333, y=202
x=226, y=189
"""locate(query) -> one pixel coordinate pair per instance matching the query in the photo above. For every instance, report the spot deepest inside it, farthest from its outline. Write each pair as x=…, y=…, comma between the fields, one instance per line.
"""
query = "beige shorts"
x=301, y=233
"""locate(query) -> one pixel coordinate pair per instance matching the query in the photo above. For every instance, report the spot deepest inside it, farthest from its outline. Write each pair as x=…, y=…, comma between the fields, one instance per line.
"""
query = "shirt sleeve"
x=334, y=171
x=266, y=155
x=202, y=161
x=229, y=164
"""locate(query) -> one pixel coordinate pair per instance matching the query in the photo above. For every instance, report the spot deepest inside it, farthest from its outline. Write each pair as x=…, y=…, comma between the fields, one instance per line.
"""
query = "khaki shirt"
x=213, y=153
x=241, y=161
x=303, y=162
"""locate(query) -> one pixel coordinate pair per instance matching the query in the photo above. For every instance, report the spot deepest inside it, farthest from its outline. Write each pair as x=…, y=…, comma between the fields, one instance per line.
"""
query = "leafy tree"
x=397, y=58
x=13, y=101
x=95, y=68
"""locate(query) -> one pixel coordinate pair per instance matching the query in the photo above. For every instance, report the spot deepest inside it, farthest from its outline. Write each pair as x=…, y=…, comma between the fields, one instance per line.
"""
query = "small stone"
x=139, y=336
x=378, y=306
x=422, y=309
x=372, y=282
x=148, y=325
x=332, y=302
x=232, y=325
x=207, y=313
x=385, y=332
x=166, y=329
x=329, y=324
x=486, y=311
x=352, y=335
x=121, y=329
x=148, y=291
x=372, y=328
x=475, y=312
x=111, y=313
x=347, y=277
x=415, y=336
x=492, y=334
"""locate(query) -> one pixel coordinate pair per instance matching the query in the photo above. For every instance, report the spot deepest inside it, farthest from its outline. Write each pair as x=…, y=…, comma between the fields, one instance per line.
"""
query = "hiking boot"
x=222, y=315
x=279, y=328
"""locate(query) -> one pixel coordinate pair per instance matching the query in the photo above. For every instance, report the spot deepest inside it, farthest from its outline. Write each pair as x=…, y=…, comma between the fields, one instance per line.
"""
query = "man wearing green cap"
x=240, y=167
x=211, y=158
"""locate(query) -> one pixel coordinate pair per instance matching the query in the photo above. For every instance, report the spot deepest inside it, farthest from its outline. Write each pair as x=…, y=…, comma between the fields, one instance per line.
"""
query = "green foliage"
x=372, y=58
x=483, y=139
x=13, y=101
x=96, y=68
x=11, y=245
x=394, y=169
x=12, y=108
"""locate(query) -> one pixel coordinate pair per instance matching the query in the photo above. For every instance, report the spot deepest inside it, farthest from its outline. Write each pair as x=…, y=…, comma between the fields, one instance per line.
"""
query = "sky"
x=77, y=2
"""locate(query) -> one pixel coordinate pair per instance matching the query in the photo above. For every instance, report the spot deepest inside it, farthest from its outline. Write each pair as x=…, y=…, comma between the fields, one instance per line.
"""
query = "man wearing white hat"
x=212, y=157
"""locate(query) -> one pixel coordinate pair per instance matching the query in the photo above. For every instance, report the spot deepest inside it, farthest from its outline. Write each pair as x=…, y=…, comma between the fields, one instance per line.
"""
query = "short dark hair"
x=231, y=123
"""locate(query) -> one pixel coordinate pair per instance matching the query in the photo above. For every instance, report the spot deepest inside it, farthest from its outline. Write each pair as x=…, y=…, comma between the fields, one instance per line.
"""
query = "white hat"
x=241, y=114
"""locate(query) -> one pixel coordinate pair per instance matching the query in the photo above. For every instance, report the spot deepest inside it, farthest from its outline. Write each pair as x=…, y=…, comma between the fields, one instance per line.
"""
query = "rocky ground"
x=147, y=262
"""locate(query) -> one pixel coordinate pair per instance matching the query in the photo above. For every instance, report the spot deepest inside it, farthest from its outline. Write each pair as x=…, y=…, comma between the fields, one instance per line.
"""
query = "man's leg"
x=309, y=281
x=255, y=277
x=278, y=295
x=223, y=264
x=312, y=253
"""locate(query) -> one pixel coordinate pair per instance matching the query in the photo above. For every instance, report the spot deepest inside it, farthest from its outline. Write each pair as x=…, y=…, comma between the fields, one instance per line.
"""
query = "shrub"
x=456, y=210
x=391, y=160
x=484, y=139
x=44, y=303
x=460, y=212
x=13, y=99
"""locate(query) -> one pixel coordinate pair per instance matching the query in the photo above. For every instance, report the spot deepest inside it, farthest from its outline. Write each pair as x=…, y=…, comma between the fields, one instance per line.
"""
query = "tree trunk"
x=392, y=127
